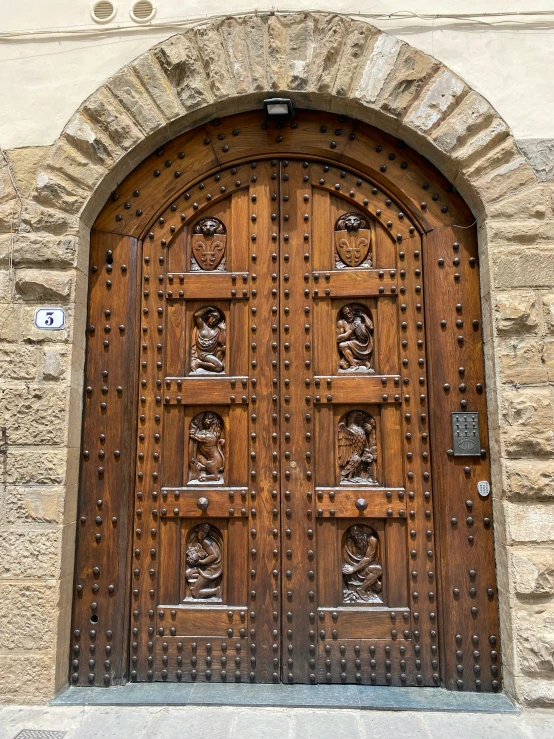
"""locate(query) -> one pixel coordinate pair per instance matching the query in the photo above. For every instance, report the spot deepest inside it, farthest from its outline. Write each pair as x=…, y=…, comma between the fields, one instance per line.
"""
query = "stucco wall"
x=50, y=194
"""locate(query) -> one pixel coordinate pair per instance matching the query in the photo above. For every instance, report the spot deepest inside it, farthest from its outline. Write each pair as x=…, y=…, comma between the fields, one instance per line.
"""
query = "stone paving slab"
x=298, y=696
x=226, y=722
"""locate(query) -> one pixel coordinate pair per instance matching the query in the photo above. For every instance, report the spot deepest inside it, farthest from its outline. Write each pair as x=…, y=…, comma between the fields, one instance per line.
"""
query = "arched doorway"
x=282, y=323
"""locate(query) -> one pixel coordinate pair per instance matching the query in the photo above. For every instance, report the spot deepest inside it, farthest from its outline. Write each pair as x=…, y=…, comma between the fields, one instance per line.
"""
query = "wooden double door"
x=283, y=506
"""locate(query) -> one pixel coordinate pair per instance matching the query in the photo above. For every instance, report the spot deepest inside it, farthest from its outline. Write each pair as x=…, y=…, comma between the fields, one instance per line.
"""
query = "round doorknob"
x=203, y=503
x=361, y=504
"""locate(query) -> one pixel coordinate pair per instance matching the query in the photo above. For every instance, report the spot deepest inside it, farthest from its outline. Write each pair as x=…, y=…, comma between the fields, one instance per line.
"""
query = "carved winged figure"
x=209, y=341
x=207, y=455
x=357, y=449
x=204, y=555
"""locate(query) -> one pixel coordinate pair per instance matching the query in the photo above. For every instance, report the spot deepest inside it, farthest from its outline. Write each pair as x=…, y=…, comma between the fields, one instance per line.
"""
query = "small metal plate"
x=40, y=734
x=466, y=441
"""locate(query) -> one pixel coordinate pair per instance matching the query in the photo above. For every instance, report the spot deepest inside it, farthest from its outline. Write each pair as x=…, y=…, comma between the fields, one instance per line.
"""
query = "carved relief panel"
x=204, y=563
x=357, y=449
x=362, y=568
x=353, y=241
x=209, y=341
x=355, y=339
x=209, y=241
x=206, y=448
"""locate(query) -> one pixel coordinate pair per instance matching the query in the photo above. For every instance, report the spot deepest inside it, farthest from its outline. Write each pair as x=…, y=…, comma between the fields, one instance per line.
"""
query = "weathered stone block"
x=9, y=322
x=472, y=115
x=529, y=480
x=43, y=286
x=516, y=312
x=7, y=192
x=184, y=70
x=548, y=311
x=521, y=361
x=44, y=467
x=36, y=218
x=57, y=192
x=359, y=43
x=540, y=155
x=87, y=139
x=132, y=96
x=27, y=681
x=28, y=332
x=301, y=46
x=276, y=33
x=531, y=203
x=25, y=163
x=527, y=427
x=518, y=232
x=234, y=41
x=27, y=616
x=149, y=72
x=31, y=249
x=535, y=693
x=328, y=48
x=24, y=504
x=34, y=414
x=529, y=268
x=535, y=642
x=111, y=118
x=18, y=362
x=67, y=160
x=412, y=70
x=533, y=572
x=29, y=553
x=55, y=364
x=436, y=101
x=527, y=522
x=212, y=51
x=378, y=65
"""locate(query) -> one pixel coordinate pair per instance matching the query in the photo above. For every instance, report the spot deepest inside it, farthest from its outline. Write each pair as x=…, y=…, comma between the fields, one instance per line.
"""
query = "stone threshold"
x=288, y=696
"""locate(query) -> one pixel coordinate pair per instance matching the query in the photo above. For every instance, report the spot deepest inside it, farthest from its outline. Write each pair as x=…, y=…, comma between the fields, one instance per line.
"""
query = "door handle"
x=361, y=504
x=202, y=503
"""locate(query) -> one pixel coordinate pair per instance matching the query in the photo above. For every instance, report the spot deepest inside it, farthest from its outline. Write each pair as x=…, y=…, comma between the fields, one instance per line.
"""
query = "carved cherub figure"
x=354, y=339
x=357, y=449
x=207, y=456
x=204, y=555
x=209, y=341
x=361, y=568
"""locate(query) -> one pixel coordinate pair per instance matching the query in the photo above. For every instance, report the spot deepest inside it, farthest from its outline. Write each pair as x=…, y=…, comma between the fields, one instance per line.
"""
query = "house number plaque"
x=465, y=434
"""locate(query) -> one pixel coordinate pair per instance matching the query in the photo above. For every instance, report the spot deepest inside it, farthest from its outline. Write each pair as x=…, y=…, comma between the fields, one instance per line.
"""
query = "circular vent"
x=103, y=11
x=142, y=11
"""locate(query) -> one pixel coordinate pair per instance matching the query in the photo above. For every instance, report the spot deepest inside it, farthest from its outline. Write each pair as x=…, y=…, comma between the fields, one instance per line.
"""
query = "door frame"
x=443, y=223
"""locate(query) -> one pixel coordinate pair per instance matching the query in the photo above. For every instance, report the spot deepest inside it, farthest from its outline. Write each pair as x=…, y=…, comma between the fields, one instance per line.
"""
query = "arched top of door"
x=192, y=166
x=323, y=62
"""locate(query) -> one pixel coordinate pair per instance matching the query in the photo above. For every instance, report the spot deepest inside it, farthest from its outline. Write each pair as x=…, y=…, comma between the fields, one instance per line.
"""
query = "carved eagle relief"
x=357, y=449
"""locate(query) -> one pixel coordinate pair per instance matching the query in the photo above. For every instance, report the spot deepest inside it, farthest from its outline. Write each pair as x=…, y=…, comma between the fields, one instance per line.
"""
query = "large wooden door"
x=283, y=495
x=279, y=478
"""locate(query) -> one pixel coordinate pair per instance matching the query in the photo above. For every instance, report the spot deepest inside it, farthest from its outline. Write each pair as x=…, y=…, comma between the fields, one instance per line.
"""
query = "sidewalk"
x=190, y=722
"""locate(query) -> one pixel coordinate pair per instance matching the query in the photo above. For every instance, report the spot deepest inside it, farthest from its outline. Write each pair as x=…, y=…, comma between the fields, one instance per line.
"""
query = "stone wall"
x=50, y=196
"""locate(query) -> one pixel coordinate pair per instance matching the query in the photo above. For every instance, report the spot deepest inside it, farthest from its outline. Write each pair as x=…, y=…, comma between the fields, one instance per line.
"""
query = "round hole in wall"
x=103, y=11
x=142, y=11
x=94, y=619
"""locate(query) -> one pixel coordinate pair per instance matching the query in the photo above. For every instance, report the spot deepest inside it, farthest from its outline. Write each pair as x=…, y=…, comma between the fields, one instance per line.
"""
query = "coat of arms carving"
x=209, y=240
x=353, y=241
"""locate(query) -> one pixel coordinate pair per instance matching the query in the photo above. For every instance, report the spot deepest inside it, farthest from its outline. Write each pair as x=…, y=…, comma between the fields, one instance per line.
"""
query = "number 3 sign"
x=50, y=318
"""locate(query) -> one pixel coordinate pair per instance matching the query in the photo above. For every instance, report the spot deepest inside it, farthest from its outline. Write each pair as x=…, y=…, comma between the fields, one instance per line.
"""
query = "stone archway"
x=325, y=62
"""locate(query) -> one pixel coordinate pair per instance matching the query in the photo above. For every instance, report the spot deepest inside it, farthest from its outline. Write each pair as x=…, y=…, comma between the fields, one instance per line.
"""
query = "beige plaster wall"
x=50, y=195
